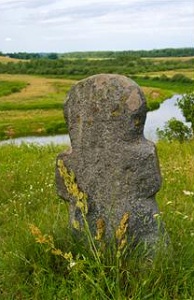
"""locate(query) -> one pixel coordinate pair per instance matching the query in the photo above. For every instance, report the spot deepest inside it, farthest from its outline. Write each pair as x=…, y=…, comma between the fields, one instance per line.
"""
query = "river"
x=155, y=119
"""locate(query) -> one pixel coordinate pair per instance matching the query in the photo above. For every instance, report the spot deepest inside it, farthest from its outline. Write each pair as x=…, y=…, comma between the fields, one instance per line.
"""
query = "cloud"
x=124, y=11
x=96, y=23
x=11, y=4
x=39, y=3
x=8, y=39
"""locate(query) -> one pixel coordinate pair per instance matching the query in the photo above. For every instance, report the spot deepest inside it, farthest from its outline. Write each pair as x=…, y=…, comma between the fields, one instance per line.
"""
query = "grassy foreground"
x=31, y=269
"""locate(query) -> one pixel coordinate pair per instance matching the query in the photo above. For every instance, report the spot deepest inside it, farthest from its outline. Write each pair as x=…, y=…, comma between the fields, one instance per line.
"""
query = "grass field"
x=37, y=109
x=28, y=269
x=39, y=91
x=6, y=59
x=182, y=58
x=10, y=87
x=171, y=73
x=166, y=86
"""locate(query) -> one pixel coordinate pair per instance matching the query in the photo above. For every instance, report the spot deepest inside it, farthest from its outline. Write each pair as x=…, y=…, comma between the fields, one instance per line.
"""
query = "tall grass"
x=29, y=269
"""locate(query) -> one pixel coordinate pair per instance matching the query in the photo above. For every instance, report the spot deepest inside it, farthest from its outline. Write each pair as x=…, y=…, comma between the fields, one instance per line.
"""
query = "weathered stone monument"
x=111, y=174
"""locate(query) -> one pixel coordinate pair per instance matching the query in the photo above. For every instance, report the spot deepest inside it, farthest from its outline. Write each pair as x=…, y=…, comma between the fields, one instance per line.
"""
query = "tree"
x=52, y=56
x=186, y=104
x=175, y=130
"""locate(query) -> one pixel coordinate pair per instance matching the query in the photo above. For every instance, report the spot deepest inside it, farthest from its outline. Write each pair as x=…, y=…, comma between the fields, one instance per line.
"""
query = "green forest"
x=83, y=64
x=168, y=52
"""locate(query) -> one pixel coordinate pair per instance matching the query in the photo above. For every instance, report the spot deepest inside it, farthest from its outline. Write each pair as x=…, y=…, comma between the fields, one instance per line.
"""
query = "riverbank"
x=37, y=110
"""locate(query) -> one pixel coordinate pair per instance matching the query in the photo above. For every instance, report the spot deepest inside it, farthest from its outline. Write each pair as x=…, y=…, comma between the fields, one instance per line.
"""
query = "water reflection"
x=158, y=118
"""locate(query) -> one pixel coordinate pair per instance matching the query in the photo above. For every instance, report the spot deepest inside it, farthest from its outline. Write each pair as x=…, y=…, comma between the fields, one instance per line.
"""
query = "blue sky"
x=86, y=25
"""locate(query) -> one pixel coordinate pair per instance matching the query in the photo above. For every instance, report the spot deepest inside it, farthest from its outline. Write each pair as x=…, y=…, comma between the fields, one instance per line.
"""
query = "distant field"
x=10, y=87
x=182, y=58
x=186, y=72
x=37, y=85
x=6, y=59
x=37, y=109
x=41, y=92
x=31, y=122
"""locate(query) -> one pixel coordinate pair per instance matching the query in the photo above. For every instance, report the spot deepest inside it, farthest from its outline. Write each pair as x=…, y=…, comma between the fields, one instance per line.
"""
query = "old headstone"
x=111, y=174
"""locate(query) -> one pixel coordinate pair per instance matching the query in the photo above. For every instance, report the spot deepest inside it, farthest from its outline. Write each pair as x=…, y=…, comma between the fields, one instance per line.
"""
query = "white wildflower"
x=188, y=193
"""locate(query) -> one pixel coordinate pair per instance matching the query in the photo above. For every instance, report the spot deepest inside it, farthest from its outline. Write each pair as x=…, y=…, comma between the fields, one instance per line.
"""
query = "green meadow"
x=33, y=219
x=36, y=109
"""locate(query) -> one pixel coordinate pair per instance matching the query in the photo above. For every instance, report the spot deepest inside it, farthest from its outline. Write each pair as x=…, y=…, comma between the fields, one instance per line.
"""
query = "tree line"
x=167, y=52
x=125, y=65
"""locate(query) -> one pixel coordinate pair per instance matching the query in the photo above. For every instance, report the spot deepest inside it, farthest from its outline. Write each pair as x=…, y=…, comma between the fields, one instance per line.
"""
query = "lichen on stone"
x=72, y=187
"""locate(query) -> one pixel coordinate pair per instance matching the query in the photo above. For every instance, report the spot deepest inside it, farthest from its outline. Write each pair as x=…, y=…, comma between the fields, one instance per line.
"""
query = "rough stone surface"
x=112, y=161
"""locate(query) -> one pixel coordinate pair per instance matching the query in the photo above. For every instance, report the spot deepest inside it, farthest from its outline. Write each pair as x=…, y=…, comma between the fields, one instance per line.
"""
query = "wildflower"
x=35, y=230
x=72, y=264
x=121, y=231
x=39, y=237
x=72, y=188
x=48, y=239
x=188, y=193
x=68, y=256
x=100, y=225
x=57, y=252
x=123, y=243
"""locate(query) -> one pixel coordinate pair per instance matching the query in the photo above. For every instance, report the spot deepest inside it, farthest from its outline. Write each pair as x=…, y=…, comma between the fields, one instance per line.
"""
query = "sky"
x=91, y=25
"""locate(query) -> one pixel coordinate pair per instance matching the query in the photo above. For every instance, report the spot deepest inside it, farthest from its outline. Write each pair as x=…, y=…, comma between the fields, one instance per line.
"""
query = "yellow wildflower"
x=72, y=187
x=35, y=230
x=57, y=252
x=68, y=256
x=100, y=225
x=122, y=228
